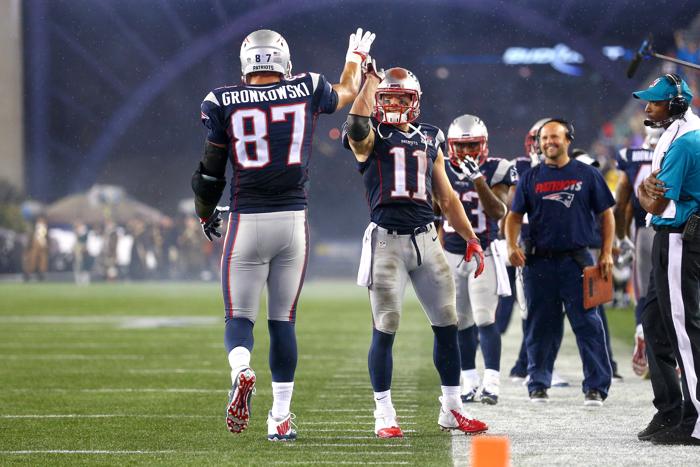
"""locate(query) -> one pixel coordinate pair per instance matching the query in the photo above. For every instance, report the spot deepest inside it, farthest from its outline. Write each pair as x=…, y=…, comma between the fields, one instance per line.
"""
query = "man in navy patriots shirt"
x=264, y=126
x=402, y=167
x=563, y=199
x=482, y=185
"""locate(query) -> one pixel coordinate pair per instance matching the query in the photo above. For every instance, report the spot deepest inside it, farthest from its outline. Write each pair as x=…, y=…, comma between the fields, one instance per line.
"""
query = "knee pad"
x=387, y=321
x=446, y=316
x=484, y=317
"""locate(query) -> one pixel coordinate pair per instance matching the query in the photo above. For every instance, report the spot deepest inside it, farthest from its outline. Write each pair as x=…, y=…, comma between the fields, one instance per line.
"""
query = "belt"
x=668, y=228
x=555, y=254
x=412, y=232
x=409, y=231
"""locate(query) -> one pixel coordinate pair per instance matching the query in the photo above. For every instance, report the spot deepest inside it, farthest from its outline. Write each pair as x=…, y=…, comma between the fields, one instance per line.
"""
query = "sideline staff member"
x=562, y=198
x=671, y=316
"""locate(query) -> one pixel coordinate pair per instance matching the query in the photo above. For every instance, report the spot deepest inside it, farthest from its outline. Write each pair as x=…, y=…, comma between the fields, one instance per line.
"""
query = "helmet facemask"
x=406, y=110
x=476, y=147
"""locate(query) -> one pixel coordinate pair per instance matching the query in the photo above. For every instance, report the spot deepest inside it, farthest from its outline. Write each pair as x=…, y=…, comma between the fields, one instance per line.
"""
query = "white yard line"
x=68, y=451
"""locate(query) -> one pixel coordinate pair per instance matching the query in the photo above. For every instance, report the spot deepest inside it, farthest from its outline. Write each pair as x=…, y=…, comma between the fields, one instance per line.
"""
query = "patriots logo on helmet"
x=563, y=197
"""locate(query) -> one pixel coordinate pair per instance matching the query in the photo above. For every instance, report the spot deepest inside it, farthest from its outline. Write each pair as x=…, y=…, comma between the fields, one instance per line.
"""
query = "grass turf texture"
x=161, y=390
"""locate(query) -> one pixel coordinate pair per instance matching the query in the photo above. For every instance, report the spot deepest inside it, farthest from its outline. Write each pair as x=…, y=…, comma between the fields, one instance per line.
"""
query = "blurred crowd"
x=107, y=251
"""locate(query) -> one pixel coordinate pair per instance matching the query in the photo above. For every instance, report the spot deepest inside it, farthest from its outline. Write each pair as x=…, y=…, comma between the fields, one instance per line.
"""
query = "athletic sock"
x=238, y=359
x=281, y=399
x=490, y=340
x=380, y=360
x=383, y=404
x=468, y=342
x=451, y=398
x=446, y=355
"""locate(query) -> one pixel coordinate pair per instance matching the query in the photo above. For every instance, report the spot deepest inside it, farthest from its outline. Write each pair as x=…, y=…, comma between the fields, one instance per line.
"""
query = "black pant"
x=671, y=322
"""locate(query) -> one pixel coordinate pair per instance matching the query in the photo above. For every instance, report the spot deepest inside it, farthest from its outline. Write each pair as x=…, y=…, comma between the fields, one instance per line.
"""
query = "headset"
x=568, y=125
x=677, y=105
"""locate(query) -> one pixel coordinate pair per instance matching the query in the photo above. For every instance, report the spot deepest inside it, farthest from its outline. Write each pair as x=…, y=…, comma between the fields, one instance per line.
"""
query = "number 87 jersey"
x=268, y=131
x=398, y=175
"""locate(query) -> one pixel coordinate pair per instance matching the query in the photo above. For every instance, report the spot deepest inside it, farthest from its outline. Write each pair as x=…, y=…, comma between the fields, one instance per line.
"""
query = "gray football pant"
x=643, y=241
x=477, y=298
x=394, y=262
x=264, y=249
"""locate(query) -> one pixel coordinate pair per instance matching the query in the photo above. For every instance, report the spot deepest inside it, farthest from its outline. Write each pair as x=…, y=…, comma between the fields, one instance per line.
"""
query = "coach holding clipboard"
x=563, y=199
x=671, y=316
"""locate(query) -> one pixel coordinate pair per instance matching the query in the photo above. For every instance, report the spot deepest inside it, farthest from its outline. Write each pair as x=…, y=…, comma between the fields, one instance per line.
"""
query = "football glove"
x=369, y=68
x=474, y=251
x=211, y=225
x=467, y=168
x=359, y=46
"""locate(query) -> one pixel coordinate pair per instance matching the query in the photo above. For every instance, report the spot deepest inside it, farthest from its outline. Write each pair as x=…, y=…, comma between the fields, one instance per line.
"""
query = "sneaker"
x=678, y=436
x=238, y=408
x=456, y=419
x=655, y=427
x=593, y=398
x=283, y=429
x=386, y=426
x=558, y=381
x=639, y=357
x=470, y=396
x=488, y=397
x=539, y=396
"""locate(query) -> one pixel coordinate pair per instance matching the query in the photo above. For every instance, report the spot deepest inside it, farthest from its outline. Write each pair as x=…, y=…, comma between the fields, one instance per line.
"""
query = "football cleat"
x=283, y=429
x=491, y=388
x=470, y=396
x=639, y=357
x=386, y=426
x=456, y=419
x=238, y=408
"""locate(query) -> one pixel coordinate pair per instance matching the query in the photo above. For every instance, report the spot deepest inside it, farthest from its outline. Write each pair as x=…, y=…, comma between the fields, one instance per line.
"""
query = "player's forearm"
x=514, y=223
x=349, y=84
x=493, y=206
x=364, y=102
x=607, y=227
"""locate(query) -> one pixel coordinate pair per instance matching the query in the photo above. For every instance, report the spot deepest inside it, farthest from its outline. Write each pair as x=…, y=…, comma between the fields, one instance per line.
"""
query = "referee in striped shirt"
x=671, y=316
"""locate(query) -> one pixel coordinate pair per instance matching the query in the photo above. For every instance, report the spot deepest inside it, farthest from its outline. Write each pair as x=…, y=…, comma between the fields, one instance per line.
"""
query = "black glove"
x=210, y=225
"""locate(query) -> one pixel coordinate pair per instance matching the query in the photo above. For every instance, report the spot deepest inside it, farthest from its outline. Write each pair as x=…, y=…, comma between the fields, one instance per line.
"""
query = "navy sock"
x=238, y=333
x=490, y=339
x=283, y=351
x=380, y=360
x=468, y=342
x=446, y=354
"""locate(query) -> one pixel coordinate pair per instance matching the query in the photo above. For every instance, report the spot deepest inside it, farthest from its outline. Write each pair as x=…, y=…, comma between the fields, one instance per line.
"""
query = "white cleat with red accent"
x=282, y=429
x=386, y=426
x=456, y=419
x=238, y=408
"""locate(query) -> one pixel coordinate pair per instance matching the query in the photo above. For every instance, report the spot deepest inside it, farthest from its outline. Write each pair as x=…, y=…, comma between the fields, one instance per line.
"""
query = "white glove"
x=467, y=168
x=626, y=255
x=369, y=68
x=359, y=46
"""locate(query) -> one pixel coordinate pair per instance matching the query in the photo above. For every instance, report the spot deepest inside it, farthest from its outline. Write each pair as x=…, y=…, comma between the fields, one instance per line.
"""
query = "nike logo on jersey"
x=563, y=197
x=435, y=238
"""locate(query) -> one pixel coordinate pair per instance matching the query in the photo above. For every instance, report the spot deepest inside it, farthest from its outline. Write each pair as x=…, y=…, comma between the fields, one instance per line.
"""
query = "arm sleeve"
x=211, y=114
x=601, y=196
x=325, y=98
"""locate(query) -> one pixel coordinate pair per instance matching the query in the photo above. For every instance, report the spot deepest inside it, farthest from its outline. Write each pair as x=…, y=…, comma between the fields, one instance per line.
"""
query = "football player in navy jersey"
x=403, y=169
x=481, y=183
x=563, y=199
x=264, y=126
x=634, y=165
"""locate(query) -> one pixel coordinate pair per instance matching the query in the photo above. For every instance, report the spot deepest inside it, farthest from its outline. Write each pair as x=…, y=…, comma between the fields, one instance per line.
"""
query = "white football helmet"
x=532, y=146
x=467, y=129
x=265, y=50
x=397, y=82
x=652, y=137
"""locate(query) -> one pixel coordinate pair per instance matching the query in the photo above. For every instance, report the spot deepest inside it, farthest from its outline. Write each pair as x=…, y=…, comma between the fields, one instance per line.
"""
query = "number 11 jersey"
x=398, y=175
x=268, y=130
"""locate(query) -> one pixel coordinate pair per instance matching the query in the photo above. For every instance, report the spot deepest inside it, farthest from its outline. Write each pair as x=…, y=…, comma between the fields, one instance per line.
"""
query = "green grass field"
x=93, y=375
